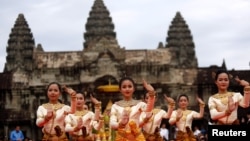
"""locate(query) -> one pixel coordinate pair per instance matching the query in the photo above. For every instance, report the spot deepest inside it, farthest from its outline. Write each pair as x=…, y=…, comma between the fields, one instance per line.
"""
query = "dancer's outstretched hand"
x=200, y=101
x=147, y=86
x=241, y=81
x=168, y=99
x=94, y=100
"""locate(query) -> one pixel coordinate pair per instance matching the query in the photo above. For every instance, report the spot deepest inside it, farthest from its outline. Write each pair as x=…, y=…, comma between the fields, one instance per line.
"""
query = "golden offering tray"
x=108, y=88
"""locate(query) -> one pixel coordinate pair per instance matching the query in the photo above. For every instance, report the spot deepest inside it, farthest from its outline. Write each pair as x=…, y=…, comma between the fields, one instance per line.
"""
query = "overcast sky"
x=220, y=28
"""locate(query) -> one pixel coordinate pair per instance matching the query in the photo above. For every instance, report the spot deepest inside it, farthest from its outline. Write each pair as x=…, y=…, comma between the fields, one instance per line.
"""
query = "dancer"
x=224, y=104
x=80, y=123
x=183, y=118
x=51, y=115
x=125, y=114
x=151, y=128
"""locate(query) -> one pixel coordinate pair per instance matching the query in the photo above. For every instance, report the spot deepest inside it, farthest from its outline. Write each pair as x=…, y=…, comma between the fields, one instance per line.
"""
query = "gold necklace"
x=55, y=107
x=184, y=114
x=223, y=97
x=80, y=113
x=129, y=103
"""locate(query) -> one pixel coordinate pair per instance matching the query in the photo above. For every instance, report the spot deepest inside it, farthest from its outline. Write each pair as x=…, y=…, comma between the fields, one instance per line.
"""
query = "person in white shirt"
x=197, y=131
x=164, y=132
x=248, y=118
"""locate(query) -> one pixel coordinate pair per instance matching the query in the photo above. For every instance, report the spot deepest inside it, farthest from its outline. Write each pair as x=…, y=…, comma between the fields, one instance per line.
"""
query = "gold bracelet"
x=202, y=105
x=171, y=106
x=171, y=103
x=247, y=88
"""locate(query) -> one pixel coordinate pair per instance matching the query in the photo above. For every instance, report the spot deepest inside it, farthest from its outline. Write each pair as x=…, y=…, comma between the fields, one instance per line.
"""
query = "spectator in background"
x=203, y=130
x=248, y=118
x=164, y=132
x=243, y=120
x=17, y=134
x=197, y=131
x=27, y=139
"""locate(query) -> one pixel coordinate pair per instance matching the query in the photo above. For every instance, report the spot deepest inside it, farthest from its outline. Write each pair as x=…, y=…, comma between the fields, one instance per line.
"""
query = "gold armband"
x=202, y=105
x=247, y=88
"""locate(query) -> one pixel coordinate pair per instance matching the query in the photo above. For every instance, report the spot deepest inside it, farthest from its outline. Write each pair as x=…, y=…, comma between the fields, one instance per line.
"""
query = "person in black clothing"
x=248, y=118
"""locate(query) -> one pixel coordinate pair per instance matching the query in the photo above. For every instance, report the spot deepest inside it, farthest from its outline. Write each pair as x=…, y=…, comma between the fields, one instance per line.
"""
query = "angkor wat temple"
x=172, y=68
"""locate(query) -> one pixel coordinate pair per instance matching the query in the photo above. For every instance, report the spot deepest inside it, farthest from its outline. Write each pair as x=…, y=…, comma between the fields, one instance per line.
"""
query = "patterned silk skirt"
x=54, y=137
x=185, y=136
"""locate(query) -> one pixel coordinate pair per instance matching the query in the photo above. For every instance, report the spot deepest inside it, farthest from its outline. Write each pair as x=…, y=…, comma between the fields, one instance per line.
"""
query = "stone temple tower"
x=20, y=46
x=171, y=68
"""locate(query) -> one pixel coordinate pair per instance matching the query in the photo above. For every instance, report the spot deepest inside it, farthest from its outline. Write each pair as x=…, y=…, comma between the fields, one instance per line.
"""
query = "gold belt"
x=49, y=137
x=152, y=137
x=124, y=134
x=236, y=122
x=82, y=138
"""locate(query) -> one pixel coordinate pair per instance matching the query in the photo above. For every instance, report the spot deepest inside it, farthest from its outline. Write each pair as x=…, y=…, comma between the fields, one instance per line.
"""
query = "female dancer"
x=51, y=115
x=125, y=114
x=152, y=126
x=183, y=118
x=224, y=104
x=80, y=123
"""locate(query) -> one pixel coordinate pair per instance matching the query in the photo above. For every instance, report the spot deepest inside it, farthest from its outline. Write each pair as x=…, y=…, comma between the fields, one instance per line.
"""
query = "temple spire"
x=224, y=65
x=20, y=46
x=180, y=42
x=179, y=34
x=99, y=24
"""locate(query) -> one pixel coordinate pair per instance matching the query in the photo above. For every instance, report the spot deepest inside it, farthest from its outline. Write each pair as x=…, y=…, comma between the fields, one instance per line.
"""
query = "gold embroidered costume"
x=185, y=136
x=184, y=125
x=219, y=103
x=131, y=131
x=53, y=129
x=151, y=127
x=85, y=133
